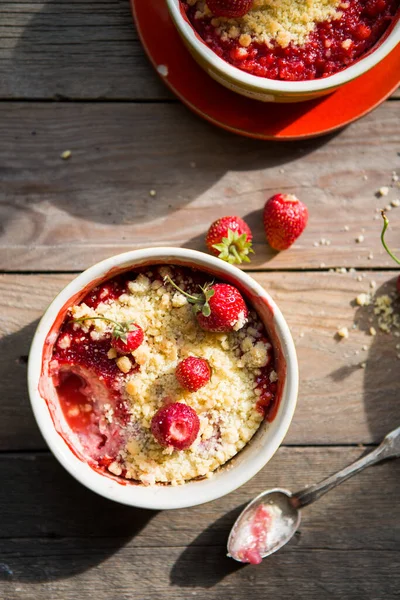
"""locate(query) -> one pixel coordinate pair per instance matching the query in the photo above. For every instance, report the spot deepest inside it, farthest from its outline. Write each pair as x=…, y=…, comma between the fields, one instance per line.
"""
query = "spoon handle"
x=389, y=448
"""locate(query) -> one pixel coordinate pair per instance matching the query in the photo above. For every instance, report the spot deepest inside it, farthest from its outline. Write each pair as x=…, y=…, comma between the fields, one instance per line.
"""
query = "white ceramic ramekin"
x=60, y=439
x=270, y=90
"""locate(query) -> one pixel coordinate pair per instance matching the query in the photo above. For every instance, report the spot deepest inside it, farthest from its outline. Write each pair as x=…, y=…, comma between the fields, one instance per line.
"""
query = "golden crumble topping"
x=281, y=21
x=226, y=406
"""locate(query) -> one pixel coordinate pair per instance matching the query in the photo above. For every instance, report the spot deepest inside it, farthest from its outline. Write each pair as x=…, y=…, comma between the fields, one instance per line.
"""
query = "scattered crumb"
x=395, y=203
x=387, y=317
x=112, y=353
x=152, y=193
x=346, y=228
x=124, y=364
x=273, y=376
x=363, y=365
x=115, y=468
x=372, y=331
x=343, y=332
x=163, y=70
x=66, y=154
x=383, y=191
x=370, y=256
x=363, y=299
x=360, y=239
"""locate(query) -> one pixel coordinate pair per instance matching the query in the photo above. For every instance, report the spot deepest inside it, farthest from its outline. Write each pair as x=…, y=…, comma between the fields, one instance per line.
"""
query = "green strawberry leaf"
x=234, y=248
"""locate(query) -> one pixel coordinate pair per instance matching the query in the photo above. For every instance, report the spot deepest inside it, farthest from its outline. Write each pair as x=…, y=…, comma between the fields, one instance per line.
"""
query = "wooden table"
x=73, y=76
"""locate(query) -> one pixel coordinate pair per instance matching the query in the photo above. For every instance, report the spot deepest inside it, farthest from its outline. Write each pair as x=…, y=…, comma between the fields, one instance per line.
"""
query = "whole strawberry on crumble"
x=292, y=40
x=157, y=383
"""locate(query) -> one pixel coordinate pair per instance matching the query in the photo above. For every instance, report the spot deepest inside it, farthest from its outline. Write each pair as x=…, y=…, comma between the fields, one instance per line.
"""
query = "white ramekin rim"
x=192, y=493
x=265, y=85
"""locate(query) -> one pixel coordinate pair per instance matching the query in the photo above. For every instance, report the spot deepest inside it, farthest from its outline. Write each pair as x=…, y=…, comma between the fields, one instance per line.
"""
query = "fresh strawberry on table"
x=231, y=9
x=218, y=307
x=230, y=239
x=285, y=218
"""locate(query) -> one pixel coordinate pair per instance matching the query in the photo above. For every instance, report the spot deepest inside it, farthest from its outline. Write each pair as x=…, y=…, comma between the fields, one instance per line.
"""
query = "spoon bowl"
x=272, y=518
x=264, y=526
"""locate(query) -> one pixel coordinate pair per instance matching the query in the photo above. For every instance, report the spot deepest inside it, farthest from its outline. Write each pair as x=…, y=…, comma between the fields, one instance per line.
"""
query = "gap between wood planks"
x=248, y=270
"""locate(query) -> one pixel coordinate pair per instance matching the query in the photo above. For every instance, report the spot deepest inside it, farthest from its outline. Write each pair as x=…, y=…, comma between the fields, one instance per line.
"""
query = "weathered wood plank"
x=70, y=541
x=177, y=573
x=59, y=214
x=56, y=496
x=81, y=50
x=339, y=402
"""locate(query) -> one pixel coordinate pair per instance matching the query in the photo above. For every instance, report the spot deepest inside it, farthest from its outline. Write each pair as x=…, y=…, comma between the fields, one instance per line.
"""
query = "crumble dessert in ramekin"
x=115, y=398
x=294, y=40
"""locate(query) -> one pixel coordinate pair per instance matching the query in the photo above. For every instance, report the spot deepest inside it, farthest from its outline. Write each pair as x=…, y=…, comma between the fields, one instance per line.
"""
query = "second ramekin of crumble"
x=287, y=51
x=163, y=378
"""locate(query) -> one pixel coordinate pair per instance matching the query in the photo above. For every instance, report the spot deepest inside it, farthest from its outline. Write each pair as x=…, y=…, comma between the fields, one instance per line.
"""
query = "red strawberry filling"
x=332, y=46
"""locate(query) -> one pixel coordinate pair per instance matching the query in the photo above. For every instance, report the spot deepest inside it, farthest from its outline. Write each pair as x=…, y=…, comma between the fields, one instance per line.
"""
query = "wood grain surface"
x=339, y=402
x=69, y=542
x=67, y=214
x=73, y=76
x=61, y=49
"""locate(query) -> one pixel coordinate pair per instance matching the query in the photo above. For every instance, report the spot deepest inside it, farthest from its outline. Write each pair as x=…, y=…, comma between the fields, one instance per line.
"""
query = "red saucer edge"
x=278, y=138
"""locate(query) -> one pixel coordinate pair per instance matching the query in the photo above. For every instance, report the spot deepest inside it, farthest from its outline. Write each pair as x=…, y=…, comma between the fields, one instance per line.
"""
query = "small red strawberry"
x=397, y=260
x=218, y=307
x=125, y=337
x=175, y=425
x=193, y=373
x=285, y=218
x=127, y=341
x=230, y=238
x=231, y=9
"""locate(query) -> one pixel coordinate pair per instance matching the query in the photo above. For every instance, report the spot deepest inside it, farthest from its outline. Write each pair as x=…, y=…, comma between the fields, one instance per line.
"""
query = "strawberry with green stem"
x=230, y=239
x=125, y=337
x=218, y=307
x=385, y=226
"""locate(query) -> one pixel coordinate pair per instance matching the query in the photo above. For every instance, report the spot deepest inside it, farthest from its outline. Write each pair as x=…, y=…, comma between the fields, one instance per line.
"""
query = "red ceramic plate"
x=267, y=121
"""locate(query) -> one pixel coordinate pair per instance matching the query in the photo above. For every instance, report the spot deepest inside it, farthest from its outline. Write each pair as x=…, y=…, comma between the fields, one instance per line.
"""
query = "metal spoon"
x=272, y=518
